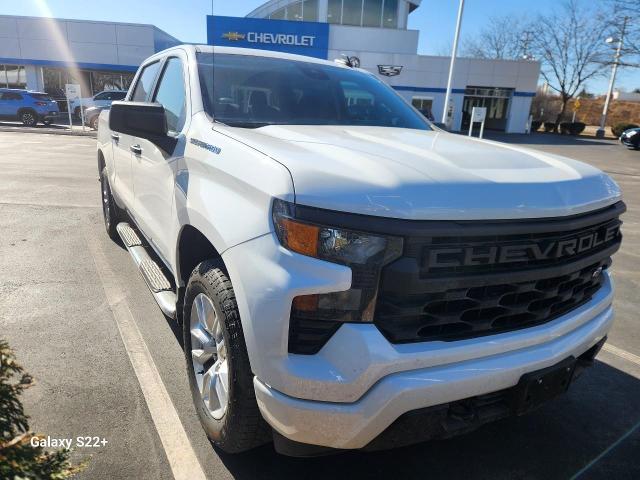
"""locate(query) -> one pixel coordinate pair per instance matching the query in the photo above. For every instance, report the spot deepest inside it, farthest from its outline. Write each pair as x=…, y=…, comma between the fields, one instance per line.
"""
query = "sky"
x=185, y=20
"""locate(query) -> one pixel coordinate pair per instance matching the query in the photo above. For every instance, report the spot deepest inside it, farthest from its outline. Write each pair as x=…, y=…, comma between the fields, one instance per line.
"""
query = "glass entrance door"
x=496, y=100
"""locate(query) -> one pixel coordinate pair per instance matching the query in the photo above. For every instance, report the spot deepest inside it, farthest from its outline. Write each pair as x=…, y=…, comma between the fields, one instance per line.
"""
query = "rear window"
x=41, y=96
x=118, y=95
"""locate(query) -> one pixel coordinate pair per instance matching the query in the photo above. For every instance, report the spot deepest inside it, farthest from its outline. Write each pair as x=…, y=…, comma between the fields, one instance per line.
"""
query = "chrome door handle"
x=136, y=149
x=115, y=137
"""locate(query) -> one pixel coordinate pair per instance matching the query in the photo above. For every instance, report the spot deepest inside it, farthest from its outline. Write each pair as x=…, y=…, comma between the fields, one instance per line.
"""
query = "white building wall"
x=427, y=75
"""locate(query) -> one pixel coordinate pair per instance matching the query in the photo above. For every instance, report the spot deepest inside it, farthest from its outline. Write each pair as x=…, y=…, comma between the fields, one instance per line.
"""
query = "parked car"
x=631, y=138
x=92, y=114
x=101, y=99
x=27, y=107
x=350, y=281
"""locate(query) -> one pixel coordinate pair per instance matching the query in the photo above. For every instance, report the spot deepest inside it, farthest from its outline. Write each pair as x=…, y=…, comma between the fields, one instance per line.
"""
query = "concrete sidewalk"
x=53, y=129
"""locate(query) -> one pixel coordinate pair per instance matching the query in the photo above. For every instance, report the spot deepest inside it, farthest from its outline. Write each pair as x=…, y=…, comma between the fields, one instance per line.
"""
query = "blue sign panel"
x=302, y=38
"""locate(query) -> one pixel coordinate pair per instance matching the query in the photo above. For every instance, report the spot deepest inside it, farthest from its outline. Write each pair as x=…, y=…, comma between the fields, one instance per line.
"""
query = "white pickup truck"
x=347, y=275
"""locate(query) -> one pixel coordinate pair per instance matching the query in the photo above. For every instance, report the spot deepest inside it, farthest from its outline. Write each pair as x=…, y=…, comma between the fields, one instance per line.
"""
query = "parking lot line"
x=605, y=452
x=181, y=456
x=619, y=352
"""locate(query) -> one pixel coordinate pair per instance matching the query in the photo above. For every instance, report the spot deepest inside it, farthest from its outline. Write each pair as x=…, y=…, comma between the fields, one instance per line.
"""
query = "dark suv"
x=27, y=107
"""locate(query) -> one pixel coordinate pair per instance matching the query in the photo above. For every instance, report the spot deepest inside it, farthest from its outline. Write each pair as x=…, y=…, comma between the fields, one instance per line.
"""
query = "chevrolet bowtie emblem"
x=235, y=36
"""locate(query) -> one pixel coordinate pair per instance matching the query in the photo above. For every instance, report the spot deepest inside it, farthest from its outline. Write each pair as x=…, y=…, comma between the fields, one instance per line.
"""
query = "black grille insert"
x=467, y=291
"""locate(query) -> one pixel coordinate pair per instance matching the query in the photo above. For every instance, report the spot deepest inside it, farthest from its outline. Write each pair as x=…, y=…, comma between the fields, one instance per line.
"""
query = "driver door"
x=154, y=170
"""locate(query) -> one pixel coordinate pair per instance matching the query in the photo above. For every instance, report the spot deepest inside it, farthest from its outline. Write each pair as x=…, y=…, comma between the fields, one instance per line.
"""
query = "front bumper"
x=49, y=115
x=356, y=425
x=359, y=383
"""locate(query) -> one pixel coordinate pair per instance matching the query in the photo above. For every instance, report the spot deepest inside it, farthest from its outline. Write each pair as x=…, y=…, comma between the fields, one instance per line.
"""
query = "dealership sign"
x=302, y=38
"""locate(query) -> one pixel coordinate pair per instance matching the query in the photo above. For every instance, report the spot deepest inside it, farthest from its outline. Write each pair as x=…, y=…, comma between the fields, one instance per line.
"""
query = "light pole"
x=616, y=61
x=447, y=95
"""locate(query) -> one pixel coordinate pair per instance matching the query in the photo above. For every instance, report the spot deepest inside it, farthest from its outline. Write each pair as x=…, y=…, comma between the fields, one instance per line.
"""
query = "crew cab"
x=347, y=275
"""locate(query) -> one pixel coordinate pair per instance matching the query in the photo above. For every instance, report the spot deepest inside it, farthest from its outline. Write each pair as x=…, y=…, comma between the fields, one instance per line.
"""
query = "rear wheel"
x=29, y=118
x=110, y=210
x=93, y=123
x=220, y=377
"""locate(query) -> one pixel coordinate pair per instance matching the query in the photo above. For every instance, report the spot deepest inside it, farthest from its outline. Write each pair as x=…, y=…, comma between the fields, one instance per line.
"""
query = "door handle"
x=115, y=137
x=136, y=149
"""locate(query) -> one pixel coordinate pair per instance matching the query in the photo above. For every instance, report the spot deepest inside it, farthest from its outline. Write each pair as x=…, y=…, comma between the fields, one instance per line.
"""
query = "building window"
x=334, y=11
x=352, y=12
x=279, y=14
x=367, y=13
x=372, y=13
x=294, y=12
x=310, y=10
x=390, y=14
x=91, y=81
x=13, y=76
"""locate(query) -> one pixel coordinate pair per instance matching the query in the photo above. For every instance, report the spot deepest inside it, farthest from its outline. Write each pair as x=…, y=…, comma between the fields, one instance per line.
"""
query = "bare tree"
x=624, y=16
x=570, y=45
x=504, y=38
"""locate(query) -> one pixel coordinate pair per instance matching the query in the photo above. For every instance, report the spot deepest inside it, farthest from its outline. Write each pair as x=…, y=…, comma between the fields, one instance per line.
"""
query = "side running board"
x=157, y=282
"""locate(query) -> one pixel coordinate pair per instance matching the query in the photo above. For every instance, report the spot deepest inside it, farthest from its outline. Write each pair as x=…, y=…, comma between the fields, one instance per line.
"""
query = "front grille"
x=497, y=278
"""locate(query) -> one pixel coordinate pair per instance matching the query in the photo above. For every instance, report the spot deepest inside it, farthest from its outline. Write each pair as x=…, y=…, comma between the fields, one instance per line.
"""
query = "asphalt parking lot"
x=58, y=315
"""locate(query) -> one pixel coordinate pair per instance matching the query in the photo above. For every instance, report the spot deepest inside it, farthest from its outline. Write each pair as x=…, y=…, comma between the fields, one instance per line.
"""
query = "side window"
x=145, y=82
x=171, y=94
x=11, y=96
x=118, y=95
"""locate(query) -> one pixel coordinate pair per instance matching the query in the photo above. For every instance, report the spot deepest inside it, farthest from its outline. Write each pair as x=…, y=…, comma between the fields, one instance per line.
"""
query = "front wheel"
x=220, y=376
x=28, y=118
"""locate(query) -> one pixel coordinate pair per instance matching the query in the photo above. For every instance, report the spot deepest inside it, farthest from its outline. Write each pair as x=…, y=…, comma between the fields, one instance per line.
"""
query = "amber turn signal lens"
x=306, y=303
x=301, y=237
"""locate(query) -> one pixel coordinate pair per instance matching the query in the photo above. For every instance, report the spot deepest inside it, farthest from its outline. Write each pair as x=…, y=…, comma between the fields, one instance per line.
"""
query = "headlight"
x=364, y=253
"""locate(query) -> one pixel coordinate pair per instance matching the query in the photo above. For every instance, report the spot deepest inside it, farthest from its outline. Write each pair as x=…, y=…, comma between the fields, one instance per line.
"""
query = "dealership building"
x=44, y=54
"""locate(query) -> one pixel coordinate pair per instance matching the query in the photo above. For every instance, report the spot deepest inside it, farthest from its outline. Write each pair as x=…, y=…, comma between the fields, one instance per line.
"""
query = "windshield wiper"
x=249, y=124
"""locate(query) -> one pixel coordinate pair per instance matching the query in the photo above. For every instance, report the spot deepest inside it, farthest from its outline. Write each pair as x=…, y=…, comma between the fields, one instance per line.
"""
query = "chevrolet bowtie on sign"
x=389, y=70
x=234, y=36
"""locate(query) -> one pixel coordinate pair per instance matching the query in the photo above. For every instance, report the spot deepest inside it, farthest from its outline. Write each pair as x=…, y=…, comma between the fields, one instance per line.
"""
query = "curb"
x=50, y=131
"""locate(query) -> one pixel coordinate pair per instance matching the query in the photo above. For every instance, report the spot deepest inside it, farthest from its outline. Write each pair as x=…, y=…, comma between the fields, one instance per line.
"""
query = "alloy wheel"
x=209, y=355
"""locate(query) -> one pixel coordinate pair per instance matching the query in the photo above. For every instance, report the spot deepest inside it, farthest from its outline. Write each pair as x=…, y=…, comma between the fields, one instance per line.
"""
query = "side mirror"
x=142, y=120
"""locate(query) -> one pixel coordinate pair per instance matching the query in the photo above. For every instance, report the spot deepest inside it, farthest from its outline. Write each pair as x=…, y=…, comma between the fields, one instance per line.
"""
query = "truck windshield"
x=252, y=91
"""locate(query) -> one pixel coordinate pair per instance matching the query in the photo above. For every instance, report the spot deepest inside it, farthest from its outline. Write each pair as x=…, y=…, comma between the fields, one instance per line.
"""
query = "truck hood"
x=414, y=174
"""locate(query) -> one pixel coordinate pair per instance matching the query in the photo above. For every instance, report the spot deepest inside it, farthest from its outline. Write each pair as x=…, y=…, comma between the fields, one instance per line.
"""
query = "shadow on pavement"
x=554, y=442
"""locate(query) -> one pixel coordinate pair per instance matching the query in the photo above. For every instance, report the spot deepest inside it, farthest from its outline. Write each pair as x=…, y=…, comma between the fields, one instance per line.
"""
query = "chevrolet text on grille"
x=487, y=255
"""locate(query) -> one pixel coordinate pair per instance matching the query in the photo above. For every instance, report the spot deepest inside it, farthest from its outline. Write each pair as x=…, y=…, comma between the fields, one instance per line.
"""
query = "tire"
x=110, y=211
x=76, y=112
x=94, y=123
x=237, y=425
x=29, y=118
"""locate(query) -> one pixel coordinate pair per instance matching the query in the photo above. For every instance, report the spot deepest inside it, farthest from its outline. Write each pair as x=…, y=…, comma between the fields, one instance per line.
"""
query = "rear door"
x=122, y=143
x=154, y=169
x=10, y=102
x=4, y=105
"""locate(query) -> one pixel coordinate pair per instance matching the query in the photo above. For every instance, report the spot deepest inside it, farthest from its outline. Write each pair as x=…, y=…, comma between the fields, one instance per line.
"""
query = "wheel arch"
x=192, y=247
